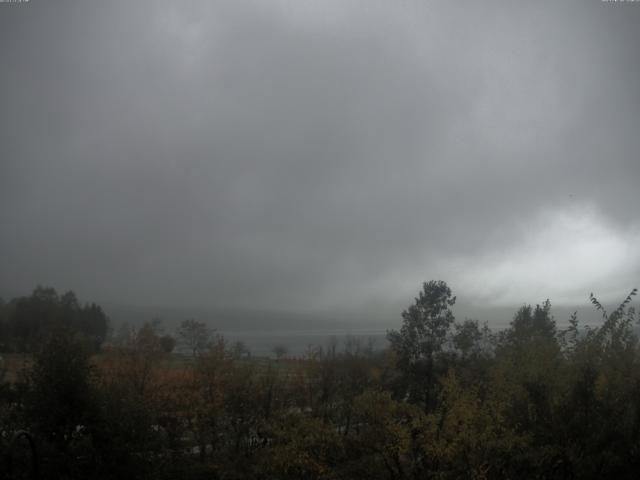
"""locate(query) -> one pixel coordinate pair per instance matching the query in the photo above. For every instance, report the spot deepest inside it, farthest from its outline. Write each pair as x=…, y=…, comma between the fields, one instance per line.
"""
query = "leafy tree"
x=60, y=384
x=302, y=447
x=30, y=320
x=471, y=340
x=419, y=345
x=531, y=325
x=600, y=409
x=61, y=402
x=384, y=438
x=469, y=435
x=167, y=343
x=137, y=362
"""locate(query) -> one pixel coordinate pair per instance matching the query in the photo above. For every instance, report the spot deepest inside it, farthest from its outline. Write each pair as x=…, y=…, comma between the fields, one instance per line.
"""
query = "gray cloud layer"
x=311, y=155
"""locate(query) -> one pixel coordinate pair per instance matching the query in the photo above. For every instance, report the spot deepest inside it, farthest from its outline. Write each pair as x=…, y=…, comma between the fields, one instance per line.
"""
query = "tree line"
x=445, y=400
x=25, y=322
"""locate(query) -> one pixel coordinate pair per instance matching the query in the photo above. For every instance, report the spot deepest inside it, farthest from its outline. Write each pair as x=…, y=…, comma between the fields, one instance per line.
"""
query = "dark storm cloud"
x=300, y=155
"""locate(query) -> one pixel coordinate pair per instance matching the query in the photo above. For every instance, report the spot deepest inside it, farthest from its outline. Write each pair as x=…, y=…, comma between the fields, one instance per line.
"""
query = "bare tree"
x=194, y=335
x=280, y=351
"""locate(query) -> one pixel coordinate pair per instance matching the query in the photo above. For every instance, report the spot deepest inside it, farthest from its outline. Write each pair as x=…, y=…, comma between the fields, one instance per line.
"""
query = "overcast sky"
x=319, y=154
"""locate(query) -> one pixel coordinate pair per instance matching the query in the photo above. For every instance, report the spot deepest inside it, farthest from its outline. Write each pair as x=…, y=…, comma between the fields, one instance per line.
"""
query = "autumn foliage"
x=445, y=400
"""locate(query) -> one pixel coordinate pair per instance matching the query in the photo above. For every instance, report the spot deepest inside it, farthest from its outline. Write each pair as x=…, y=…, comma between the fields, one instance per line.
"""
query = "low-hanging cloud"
x=307, y=155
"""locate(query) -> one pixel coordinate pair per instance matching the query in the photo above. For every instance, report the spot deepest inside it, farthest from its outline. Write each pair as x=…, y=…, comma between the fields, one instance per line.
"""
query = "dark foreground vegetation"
x=446, y=400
